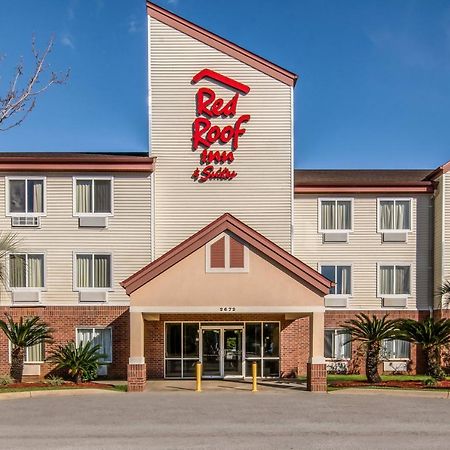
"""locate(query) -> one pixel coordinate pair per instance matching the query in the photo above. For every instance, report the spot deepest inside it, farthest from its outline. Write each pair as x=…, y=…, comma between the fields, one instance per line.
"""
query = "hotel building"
x=211, y=247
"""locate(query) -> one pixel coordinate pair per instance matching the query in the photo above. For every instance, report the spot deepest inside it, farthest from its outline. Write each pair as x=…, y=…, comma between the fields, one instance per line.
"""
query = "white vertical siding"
x=365, y=248
x=260, y=195
x=127, y=236
x=439, y=243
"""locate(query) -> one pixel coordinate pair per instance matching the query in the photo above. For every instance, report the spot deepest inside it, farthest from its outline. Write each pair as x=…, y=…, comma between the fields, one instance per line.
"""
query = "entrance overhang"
x=272, y=282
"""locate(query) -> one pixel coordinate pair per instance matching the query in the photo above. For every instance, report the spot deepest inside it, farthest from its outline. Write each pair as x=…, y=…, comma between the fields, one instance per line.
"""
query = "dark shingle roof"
x=360, y=177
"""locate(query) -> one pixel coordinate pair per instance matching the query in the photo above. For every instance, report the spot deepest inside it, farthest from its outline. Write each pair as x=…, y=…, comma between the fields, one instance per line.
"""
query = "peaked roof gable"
x=227, y=222
x=221, y=44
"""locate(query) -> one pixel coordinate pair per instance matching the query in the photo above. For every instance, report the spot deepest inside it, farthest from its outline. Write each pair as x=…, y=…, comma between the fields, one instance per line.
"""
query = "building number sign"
x=215, y=164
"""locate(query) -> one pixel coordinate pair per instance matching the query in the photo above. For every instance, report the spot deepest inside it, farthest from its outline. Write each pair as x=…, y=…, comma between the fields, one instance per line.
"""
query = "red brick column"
x=317, y=377
x=137, y=378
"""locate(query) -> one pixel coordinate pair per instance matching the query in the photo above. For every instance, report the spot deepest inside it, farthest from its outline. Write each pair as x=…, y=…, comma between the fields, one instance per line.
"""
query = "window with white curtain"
x=341, y=275
x=25, y=196
x=394, y=215
x=93, y=271
x=394, y=279
x=335, y=215
x=337, y=344
x=26, y=270
x=97, y=336
x=33, y=354
x=93, y=196
x=395, y=349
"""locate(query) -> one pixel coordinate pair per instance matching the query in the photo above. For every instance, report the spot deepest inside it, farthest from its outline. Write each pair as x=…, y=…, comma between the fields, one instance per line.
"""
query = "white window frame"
x=335, y=199
x=26, y=355
x=227, y=268
x=74, y=197
x=333, y=358
x=92, y=254
x=94, y=328
x=28, y=214
x=344, y=264
x=27, y=288
x=398, y=359
x=391, y=264
x=394, y=199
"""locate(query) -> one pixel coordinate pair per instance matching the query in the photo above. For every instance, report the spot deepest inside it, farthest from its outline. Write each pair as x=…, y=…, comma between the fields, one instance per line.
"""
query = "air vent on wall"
x=25, y=221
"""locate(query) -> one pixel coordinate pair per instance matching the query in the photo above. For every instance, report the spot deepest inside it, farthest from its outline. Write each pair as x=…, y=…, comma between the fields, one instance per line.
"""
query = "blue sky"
x=374, y=88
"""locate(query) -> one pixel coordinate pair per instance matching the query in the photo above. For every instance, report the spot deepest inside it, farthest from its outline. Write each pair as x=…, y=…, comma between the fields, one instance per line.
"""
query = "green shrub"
x=54, y=380
x=6, y=379
x=81, y=364
x=430, y=382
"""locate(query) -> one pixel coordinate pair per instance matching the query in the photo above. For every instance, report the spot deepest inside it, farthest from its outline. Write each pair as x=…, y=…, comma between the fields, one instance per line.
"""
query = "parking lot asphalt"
x=277, y=419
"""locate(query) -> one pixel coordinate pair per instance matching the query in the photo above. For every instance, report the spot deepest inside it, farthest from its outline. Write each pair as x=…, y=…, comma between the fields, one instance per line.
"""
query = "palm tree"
x=371, y=332
x=8, y=244
x=22, y=334
x=80, y=363
x=432, y=335
x=444, y=292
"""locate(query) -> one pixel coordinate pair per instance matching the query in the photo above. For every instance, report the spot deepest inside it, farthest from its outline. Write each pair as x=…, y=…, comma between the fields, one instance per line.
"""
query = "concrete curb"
x=55, y=393
x=396, y=392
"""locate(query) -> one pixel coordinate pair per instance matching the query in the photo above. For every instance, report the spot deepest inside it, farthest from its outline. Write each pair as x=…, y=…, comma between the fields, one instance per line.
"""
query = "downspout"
x=150, y=150
x=292, y=171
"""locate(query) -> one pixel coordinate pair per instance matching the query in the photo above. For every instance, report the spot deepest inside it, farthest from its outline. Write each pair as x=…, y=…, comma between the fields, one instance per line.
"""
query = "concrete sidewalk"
x=393, y=392
x=56, y=393
x=222, y=385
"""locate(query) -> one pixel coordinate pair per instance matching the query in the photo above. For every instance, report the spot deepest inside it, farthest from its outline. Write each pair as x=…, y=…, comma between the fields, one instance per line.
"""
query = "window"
x=335, y=215
x=93, y=271
x=394, y=280
x=181, y=349
x=341, y=275
x=395, y=349
x=33, y=354
x=262, y=344
x=394, y=215
x=226, y=254
x=26, y=270
x=337, y=344
x=93, y=196
x=25, y=196
x=97, y=336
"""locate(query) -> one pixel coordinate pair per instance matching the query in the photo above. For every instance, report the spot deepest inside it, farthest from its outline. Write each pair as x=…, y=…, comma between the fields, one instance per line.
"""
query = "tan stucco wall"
x=187, y=284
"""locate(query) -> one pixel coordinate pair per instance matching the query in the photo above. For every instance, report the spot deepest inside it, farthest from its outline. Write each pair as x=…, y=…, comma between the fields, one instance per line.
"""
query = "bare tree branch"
x=18, y=102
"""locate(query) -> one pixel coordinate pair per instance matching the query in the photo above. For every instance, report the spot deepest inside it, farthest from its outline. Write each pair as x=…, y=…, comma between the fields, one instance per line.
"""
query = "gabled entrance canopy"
x=266, y=281
x=275, y=281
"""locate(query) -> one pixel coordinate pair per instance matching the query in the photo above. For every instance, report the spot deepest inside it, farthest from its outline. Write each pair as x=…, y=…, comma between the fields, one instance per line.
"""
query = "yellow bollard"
x=254, y=374
x=198, y=374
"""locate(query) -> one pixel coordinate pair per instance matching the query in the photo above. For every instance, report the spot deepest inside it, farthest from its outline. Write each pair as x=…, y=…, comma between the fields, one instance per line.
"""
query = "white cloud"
x=132, y=26
x=67, y=40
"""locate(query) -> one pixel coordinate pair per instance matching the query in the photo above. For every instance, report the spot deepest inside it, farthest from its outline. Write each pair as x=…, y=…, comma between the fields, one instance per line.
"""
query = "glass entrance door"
x=211, y=352
x=232, y=352
x=221, y=350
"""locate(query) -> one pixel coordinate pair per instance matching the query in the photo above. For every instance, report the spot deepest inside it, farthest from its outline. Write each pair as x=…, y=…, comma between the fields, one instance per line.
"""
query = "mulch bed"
x=391, y=384
x=66, y=384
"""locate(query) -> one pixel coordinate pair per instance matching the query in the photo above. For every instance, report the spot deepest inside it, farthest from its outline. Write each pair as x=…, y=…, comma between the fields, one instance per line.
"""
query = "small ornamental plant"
x=24, y=333
x=371, y=332
x=432, y=335
x=80, y=363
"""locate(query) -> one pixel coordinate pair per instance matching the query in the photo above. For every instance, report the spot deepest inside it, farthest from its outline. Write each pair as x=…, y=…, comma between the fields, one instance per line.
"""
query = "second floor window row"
x=337, y=215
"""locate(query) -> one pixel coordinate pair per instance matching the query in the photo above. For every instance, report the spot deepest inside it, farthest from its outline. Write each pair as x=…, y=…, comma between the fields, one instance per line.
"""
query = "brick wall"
x=64, y=320
x=294, y=339
x=336, y=319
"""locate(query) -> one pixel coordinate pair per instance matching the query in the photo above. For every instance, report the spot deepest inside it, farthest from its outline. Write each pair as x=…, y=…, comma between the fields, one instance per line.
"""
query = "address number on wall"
x=227, y=309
